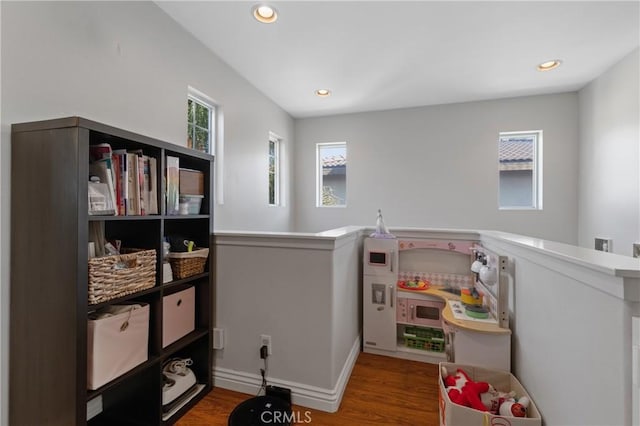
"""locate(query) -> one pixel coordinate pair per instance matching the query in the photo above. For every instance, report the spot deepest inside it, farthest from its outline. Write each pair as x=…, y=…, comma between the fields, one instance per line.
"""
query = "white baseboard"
x=301, y=394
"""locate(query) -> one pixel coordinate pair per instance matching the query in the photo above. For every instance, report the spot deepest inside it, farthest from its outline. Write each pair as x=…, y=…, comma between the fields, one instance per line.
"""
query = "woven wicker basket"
x=118, y=275
x=187, y=264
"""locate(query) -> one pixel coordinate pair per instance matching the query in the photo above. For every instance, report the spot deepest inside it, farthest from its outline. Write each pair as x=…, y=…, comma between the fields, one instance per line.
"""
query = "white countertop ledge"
x=607, y=263
x=612, y=273
x=330, y=234
x=327, y=240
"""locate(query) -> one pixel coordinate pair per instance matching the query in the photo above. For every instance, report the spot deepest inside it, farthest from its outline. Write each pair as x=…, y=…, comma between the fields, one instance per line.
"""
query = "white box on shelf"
x=116, y=343
x=178, y=316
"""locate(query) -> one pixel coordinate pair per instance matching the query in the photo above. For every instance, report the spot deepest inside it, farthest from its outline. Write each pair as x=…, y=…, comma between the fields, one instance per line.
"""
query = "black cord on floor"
x=263, y=372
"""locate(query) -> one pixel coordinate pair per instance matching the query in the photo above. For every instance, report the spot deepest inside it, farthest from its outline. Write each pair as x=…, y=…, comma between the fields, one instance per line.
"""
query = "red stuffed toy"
x=464, y=391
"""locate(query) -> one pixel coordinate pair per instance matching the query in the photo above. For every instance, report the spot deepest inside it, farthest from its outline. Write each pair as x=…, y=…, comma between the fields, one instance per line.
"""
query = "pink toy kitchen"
x=436, y=300
x=445, y=301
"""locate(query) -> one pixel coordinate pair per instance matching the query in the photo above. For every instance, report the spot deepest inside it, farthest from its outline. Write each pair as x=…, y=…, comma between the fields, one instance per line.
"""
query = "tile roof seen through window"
x=334, y=161
x=516, y=149
x=516, y=153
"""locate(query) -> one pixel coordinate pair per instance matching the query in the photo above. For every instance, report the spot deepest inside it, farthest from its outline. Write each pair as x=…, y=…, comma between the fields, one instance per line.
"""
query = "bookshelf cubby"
x=49, y=308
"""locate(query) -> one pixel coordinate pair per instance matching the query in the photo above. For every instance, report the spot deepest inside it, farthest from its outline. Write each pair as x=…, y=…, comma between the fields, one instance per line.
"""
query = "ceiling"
x=379, y=55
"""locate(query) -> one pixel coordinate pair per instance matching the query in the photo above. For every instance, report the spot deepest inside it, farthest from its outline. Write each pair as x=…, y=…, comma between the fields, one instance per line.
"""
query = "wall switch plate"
x=218, y=338
x=636, y=249
x=604, y=244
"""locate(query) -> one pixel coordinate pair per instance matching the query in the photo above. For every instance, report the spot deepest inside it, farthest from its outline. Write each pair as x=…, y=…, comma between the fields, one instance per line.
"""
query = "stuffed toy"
x=504, y=403
x=514, y=408
x=464, y=391
x=492, y=399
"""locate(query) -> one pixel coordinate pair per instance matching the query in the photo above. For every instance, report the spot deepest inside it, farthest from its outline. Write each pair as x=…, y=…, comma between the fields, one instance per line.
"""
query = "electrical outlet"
x=636, y=249
x=603, y=244
x=265, y=340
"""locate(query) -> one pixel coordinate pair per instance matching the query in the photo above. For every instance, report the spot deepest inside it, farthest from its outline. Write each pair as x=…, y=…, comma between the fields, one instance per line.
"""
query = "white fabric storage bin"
x=116, y=343
x=452, y=414
x=178, y=315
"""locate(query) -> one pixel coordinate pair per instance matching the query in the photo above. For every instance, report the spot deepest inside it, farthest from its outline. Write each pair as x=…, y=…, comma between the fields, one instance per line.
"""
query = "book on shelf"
x=123, y=180
x=130, y=176
x=133, y=199
x=147, y=184
x=115, y=163
x=100, y=202
x=173, y=185
x=103, y=170
x=153, y=186
x=99, y=151
x=141, y=185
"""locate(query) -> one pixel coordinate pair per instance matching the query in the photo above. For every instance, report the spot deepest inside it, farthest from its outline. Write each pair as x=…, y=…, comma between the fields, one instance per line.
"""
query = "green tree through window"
x=199, y=125
x=274, y=170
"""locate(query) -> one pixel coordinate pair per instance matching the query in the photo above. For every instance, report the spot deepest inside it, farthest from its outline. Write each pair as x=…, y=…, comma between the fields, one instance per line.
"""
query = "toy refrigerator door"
x=379, y=314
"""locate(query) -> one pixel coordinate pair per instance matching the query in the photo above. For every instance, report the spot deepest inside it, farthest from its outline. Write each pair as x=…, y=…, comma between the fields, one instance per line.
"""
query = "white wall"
x=571, y=311
x=127, y=64
x=4, y=276
x=345, y=303
x=438, y=166
x=609, y=184
x=303, y=291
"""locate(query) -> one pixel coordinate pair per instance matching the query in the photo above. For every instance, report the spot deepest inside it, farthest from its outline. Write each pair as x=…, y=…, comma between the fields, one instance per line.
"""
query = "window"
x=274, y=170
x=331, y=166
x=520, y=159
x=205, y=132
x=200, y=124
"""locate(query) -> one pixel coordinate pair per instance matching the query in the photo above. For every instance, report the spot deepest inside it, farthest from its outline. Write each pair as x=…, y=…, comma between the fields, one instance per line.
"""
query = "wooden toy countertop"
x=447, y=315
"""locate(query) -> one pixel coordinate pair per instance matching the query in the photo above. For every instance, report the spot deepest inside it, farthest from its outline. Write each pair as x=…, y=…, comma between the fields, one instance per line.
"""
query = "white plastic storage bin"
x=117, y=341
x=178, y=315
x=190, y=204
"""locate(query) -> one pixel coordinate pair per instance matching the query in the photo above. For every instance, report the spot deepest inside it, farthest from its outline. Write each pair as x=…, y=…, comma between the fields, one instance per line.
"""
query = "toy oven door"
x=425, y=312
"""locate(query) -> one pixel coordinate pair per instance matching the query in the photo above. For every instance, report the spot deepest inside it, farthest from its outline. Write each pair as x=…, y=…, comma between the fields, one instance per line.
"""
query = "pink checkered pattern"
x=436, y=278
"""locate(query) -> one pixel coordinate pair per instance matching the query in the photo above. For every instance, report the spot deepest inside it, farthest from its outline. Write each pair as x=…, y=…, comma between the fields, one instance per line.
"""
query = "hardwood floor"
x=381, y=391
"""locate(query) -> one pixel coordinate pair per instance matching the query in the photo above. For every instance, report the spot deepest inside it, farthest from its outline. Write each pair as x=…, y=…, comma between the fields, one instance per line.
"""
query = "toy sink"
x=470, y=297
x=451, y=290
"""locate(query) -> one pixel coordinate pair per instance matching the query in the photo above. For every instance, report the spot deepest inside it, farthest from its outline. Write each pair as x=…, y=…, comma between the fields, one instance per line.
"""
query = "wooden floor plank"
x=381, y=391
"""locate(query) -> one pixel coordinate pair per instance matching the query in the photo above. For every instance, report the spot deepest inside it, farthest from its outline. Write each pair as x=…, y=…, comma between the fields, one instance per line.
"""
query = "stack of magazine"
x=122, y=182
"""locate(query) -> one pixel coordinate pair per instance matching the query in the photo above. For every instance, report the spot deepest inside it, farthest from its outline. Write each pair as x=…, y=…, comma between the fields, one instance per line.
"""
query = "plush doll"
x=464, y=391
x=514, y=408
x=493, y=398
x=504, y=403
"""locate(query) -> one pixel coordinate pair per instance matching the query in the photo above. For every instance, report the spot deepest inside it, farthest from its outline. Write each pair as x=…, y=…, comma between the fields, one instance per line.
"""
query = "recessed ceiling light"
x=549, y=65
x=264, y=13
x=323, y=93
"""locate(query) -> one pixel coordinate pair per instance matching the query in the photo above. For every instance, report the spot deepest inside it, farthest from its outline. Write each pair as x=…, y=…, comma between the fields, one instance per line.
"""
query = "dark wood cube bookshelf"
x=49, y=278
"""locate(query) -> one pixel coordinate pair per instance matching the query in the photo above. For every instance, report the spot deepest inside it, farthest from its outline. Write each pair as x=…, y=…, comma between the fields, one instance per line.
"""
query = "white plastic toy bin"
x=117, y=341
